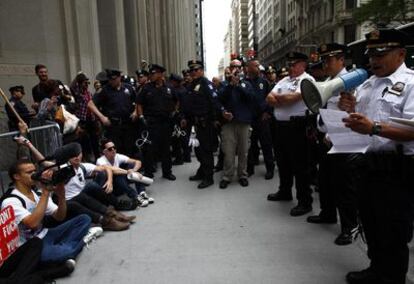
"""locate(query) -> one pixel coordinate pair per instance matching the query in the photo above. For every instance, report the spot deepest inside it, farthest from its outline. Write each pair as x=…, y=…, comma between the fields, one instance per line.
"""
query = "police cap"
x=185, y=72
x=155, y=68
x=16, y=89
x=382, y=40
x=283, y=72
x=195, y=64
x=331, y=49
x=141, y=73
x=269, y=69
x=175, y=77
x=296, y=56
x=102, y=76
x=113, y=73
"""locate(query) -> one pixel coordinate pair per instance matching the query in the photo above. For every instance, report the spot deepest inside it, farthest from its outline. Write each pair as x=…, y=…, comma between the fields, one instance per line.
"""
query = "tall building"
x=252, y=25
x=228, y=44
x=89, y=35
x=240, y=32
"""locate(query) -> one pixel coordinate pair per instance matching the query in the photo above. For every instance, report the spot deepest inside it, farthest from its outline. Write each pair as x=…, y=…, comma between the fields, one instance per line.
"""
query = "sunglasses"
x=110, y=149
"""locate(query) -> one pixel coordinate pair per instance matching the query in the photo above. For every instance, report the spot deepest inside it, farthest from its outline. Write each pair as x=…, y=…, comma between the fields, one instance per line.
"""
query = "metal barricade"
x=44, y=135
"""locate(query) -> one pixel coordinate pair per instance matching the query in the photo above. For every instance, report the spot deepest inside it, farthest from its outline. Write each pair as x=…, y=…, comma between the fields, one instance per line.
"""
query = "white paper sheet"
x=344, y=140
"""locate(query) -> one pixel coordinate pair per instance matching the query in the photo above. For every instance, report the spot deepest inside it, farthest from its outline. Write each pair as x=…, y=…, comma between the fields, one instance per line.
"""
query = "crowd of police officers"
x=257, y=109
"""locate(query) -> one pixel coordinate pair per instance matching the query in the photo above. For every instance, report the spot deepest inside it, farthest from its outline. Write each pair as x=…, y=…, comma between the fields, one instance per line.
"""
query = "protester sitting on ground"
x=60, y=244
x=123, y=165
x=78, y=199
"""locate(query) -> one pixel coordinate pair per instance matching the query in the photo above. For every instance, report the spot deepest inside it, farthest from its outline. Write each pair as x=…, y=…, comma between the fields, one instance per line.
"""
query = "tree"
x=385, y=12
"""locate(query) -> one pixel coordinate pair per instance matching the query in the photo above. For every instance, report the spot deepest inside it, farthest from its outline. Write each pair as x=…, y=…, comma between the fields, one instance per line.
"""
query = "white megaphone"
x=315, y=95
x=137, y=177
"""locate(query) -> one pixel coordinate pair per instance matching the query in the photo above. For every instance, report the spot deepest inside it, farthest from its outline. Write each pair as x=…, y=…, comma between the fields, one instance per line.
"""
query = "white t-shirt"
x=118, y=160
x=20, y=213
x=77, y=183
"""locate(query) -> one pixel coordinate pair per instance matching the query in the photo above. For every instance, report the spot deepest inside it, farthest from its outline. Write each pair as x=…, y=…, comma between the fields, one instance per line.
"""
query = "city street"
x=218, y=236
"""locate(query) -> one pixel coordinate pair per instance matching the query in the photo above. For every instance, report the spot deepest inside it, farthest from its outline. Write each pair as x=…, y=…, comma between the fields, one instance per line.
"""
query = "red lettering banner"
x=9, y=233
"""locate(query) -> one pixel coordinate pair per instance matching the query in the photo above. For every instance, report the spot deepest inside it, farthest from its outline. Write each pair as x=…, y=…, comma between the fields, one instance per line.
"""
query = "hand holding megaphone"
x=137, y=177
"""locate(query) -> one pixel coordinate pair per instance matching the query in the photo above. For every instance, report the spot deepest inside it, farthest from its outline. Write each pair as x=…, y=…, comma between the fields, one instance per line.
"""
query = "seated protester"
x=17, y=93
x=61, y=243
x=21, y=266
x=122, y=165
x=78, y=201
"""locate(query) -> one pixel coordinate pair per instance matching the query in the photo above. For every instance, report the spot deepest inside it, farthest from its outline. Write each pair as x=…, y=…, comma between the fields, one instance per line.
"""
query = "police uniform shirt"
x=290, y=85
x=157, y=101
x=380, y=98
x=115, y=103
x=261, y=90
x=332, y=103
x=202, y=97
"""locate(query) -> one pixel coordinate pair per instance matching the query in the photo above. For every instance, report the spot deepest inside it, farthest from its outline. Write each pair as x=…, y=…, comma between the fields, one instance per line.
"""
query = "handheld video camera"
x=62, y=170
x=61, y=174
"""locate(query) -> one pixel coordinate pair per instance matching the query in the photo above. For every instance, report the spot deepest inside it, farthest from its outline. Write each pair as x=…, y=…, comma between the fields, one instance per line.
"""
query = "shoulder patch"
x=211, y=87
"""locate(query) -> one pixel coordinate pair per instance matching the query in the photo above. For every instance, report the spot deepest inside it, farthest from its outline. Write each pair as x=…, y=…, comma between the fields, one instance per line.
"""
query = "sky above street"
x=216, y=17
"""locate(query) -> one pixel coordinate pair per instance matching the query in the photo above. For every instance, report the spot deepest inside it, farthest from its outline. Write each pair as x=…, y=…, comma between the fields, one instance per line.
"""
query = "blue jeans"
x=139, y=187
x=66, y=240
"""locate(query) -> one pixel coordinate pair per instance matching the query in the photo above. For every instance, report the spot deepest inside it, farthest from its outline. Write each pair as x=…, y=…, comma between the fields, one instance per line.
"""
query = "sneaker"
x=142, y=202
x=93, y=234
x=146, y=197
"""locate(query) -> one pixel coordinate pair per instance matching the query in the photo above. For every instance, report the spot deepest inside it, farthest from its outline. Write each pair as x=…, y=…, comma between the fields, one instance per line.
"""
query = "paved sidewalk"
x=218, y=236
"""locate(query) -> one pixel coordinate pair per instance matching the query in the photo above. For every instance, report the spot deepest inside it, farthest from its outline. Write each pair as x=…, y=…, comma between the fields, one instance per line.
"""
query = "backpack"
x=9, y=194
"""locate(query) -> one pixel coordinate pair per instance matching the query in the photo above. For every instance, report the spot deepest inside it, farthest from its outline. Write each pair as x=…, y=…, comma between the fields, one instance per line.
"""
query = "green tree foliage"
x=384, y=12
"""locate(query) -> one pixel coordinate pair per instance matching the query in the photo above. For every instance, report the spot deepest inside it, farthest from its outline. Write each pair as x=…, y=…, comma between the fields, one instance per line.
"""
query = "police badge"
x=397, y=88
x=261, y=86
x=197, y=88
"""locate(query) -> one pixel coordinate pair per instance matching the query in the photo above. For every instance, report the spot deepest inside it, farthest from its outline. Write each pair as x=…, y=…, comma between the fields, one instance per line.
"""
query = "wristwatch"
x=376, y=128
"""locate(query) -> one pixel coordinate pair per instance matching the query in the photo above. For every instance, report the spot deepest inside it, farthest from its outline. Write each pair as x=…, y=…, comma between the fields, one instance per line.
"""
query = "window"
x=350, y=4
x=349, y=33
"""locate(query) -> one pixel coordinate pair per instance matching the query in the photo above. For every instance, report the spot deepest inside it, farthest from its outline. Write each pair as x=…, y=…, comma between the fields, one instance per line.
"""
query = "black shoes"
x=347, y=237
x=149, y=174
x=278, y=196
x=205, y=183
x=269, y=175
x=300, y=210
x=224, y=183
x=321, y=219
x=169, y=176
x=243, y=182
x=366, y=276
x=195, y=177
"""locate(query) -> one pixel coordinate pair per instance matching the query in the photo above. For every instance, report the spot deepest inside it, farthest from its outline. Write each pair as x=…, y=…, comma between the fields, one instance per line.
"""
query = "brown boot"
x=119, y=216
x=111, y=224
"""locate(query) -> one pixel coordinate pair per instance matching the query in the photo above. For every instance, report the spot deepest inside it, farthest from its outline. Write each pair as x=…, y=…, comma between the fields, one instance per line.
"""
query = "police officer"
x=180, y=136
x=271, y=76
x=156, y=105
x=386, y=196
x=292, y=144
x=115, y=102
x=201, y=112
x=17, y=93
x=337, y=179
x=261, y=123
x=142, y=79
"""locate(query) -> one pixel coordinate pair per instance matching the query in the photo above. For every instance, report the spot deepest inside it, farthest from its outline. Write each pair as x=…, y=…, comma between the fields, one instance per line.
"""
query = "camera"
x=61, y=174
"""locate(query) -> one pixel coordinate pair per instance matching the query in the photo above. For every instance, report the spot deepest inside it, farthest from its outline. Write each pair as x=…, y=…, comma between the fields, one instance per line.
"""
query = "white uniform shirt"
x=380, y=98
x=77, y=183
x=118, y=160
x=290, y=85
x=332, y=103
x=20, y=213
